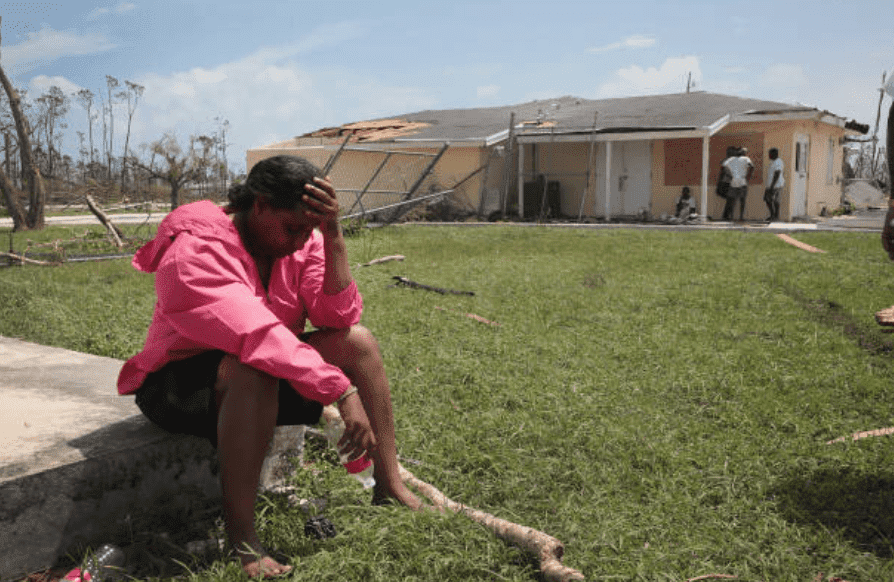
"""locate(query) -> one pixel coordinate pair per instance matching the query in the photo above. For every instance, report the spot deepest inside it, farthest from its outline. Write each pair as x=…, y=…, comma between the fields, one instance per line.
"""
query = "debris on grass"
x=548, y=549
x=864, y=434
x=408, y=283
x=885, y=317
x=799, y=244
x=383, y=260
x=471, y=315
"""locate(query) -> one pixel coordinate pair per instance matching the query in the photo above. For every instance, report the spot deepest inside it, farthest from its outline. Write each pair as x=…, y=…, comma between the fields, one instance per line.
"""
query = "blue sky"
x=277, y=69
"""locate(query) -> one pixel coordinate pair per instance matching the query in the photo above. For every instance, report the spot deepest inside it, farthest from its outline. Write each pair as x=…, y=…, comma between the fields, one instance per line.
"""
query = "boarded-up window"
x=683, y=158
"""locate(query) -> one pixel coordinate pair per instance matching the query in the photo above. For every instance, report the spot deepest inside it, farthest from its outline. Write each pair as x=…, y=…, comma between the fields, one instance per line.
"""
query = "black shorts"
x=180, y=398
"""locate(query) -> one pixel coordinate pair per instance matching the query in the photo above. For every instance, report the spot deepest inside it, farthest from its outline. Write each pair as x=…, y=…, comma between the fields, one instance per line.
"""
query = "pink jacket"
x=210, y=297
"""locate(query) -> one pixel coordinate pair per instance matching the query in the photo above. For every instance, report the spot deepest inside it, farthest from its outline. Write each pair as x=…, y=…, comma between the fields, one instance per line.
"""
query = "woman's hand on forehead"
x=322, y=202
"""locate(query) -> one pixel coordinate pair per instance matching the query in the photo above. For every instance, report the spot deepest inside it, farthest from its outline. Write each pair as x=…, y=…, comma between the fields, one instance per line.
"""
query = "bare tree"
x=85, y=98
x=177, y=167
x=34, y=218
x=54, y=105
x=222, y=152
x=132, y=95
x=111, y=83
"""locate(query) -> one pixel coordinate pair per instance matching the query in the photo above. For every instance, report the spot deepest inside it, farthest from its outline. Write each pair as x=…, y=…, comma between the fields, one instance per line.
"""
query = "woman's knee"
x=345, y=347
x=235, y=375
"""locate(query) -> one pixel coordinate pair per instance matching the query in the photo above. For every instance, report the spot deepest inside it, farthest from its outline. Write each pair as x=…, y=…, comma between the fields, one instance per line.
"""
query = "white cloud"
x=487, y=91
x=47, y=45
x=120, y=8
x=267, y=97
x=784, y=76
x=671, y=77
x=638, y=41
x=41, y=84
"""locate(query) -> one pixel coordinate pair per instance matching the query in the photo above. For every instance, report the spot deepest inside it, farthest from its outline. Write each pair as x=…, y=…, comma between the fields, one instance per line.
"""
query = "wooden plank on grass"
x=799, y=244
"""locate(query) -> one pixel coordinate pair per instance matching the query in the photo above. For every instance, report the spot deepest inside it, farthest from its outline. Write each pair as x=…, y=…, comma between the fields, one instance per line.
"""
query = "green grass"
x=659, y=401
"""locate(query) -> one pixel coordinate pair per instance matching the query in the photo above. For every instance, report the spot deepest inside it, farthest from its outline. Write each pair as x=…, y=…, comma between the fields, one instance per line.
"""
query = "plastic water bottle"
x=360, y=467
x=105, y=563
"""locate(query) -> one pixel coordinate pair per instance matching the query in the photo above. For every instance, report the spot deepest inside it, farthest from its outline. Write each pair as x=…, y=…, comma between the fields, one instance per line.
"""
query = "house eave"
x=616, y=134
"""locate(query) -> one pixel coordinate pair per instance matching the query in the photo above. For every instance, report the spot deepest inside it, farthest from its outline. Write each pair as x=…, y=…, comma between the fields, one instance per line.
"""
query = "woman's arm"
x=324, y=206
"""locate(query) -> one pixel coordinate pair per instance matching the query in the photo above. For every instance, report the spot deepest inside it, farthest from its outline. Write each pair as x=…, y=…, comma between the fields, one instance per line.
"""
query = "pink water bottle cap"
x=358, y=464
x=76, y=576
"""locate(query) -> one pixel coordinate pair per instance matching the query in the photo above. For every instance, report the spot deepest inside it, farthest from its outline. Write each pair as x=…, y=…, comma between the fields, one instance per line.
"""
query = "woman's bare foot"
x=265, y=568
x=383, y=495
x=257, y=564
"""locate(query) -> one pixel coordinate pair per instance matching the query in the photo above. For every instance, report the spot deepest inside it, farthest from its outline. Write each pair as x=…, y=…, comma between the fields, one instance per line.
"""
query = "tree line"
x=33, y=160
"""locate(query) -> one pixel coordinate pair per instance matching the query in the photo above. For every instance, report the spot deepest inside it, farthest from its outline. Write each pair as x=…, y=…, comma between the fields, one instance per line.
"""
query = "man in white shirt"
x=740, y=169
x=775, y=182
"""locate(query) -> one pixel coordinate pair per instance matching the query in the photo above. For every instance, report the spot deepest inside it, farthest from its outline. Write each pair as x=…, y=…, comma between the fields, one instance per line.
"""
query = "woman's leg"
x=247, y=403
x=356, y=352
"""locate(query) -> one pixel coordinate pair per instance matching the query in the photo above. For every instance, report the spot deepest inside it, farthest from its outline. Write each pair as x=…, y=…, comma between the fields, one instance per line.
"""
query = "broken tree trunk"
x=25, y=260
x=548, y=549
x=114, y=232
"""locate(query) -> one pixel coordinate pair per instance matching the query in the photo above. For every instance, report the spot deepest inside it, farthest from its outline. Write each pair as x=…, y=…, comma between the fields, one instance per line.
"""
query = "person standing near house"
x=774, y=183
x=740, y=169
x=227, y=356
x=723, y=179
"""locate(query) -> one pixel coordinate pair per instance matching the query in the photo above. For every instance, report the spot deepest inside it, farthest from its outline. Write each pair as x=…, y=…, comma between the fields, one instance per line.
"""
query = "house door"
x=630, y=179
x=800, y=175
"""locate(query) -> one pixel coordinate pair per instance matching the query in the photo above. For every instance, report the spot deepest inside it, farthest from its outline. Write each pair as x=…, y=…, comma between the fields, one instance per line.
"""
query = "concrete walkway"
x=80, y=466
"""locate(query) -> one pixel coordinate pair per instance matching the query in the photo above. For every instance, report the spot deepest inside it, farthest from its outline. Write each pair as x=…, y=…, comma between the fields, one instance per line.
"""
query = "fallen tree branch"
x=799, y=244
x=114, y=232
x=26, y=260
x=547, y=548
x=383, y=260
x=472, y=315
x=862, y=435
x=415, y=285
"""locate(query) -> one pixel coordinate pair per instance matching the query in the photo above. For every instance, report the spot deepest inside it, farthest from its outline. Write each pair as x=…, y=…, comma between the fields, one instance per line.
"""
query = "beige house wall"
x=824, y=179
x=566, y=163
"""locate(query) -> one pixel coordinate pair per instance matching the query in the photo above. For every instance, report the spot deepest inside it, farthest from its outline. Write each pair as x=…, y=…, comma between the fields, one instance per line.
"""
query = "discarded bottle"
x=361, y=467
x=104, y=564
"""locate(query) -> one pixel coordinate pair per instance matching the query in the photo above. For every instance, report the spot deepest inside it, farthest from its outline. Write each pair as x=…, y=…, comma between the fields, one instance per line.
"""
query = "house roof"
x=564, y=115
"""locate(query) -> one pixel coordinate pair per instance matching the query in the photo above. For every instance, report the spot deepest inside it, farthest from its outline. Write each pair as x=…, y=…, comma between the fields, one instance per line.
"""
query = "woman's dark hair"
x=280, y=179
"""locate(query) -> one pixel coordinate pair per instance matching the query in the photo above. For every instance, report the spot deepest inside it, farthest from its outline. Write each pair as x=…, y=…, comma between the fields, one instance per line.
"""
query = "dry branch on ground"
x=548, y=549
x=799, y=244
x=863, y=434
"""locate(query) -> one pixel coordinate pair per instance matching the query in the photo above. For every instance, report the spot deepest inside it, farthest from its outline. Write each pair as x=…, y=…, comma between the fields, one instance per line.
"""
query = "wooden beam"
x=703, y=204
x=608, y=180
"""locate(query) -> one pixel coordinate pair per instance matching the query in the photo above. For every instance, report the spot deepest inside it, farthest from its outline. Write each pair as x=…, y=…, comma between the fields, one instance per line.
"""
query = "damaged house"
x=582, y=159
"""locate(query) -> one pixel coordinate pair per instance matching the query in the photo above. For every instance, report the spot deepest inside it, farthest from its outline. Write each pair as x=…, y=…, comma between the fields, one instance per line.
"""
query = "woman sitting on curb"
x=227, y=356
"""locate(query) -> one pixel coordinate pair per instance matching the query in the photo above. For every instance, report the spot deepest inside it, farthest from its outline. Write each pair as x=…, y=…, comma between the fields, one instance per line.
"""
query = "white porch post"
x=608, y=180
x=706, y=150
x=521, y=180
